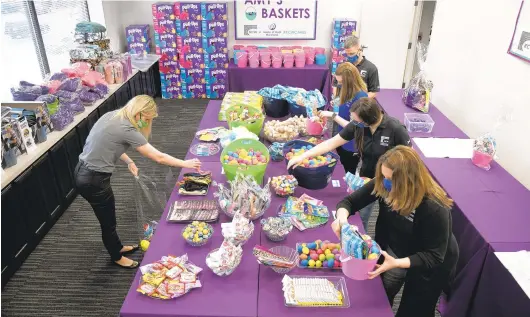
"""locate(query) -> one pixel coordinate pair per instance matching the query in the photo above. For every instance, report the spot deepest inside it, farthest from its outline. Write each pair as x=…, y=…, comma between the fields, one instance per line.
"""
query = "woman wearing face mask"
x=351, y=88
x=414, y=228
x=374, y=133
x=112, y=135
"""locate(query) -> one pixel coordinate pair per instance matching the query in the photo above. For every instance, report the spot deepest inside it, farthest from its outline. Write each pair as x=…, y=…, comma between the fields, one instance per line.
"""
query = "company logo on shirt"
x=363, y=73
x=385, y=140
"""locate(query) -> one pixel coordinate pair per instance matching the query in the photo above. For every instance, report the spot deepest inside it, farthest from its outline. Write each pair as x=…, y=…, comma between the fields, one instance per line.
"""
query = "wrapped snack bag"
x=355, y=182
x=70, y=84
x=485, y=146
x=418, y=93
x=358, y=246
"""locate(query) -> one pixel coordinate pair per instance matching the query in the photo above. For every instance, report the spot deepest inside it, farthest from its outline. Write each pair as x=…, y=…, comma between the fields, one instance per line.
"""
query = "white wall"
x=474, y=76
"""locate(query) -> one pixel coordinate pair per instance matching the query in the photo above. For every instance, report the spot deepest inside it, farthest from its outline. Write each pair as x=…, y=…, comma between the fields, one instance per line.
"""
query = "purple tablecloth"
x=490, y=206
x=216, y=296
x=208, y=121
x=497, y=293
x=310, y=77
x=367, y=298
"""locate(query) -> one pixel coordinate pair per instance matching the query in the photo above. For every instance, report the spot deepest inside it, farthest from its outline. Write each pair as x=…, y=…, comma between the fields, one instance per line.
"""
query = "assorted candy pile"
x=284, y=185
x=276, y=152
x=225, y=260
x=171, y=277
x=311, y=162
x=186, y=211
x=244, y=195
x=319, y=254
x=485, y=144
x=276, y=228
x=245, y=157
x=315, y=140
x=305, y=212
x=205, y=149
x=357, y=245
x=282, y=131
x=239, y=230
x=197, y=233
x=245, y=115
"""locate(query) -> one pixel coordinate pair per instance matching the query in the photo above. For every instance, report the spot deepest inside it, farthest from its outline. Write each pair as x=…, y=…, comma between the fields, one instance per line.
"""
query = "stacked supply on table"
x=215, y=48
x=164, y=22
x=342, y=28
x=138, y=39
x=247, y=98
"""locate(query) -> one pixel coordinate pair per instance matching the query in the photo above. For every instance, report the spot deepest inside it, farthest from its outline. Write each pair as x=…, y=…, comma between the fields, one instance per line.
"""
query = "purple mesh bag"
x=43, y=89
x=58, y=76
x=74, y=105
x=66, y=94
x=101, y=89
x=48, y=99
x=70, y=84
x=62, y=118
x=25, y=93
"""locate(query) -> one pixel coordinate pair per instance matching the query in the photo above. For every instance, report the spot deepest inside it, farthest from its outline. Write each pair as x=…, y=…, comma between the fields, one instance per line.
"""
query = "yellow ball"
x=372, y=256
x=312, y=263
x=144, y=244
x=305, y=250
x=205, y=231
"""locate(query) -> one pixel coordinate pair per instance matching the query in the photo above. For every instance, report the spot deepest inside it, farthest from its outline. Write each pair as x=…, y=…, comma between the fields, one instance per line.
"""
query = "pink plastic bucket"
x=482, y=160
x=266, y=63
x=356, y=269
x=242, y=59
x=239, y=47
x=252, y=47
x=288, y=64
x=253, y=64
x=315, y=128
x=274, y=48
x=296, y=47
x=300, y=63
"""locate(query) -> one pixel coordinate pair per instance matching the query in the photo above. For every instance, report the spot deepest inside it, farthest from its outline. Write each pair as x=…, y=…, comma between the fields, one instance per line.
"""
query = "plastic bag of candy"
x=418, y=93
x=354, y=182
x=51, y=101
x=70, y=84
x=149, y=204
x=276, y=151
x=91, y=78
x=26, y=93
x=101, y=89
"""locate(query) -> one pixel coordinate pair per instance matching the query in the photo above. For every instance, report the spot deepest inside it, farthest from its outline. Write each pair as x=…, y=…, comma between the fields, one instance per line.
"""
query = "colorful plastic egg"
x=314, y=256
x=331, y=264
x=312, y=245
x=330, y=256
x=322, y=257
x=311, y=263
x=303, y=256
x=304, y=263
x=318, y=263
x=305, y=250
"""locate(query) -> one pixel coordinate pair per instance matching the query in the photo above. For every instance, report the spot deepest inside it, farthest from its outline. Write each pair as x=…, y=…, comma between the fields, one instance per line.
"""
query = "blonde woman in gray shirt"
x=112, y=135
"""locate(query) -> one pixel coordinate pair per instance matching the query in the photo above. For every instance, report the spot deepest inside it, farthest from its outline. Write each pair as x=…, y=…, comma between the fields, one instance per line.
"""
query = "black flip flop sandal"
x=135, y=248
x=132, y=266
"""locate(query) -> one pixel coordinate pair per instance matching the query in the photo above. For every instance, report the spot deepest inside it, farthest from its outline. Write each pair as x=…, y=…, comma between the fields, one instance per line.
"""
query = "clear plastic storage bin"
x=419, y=122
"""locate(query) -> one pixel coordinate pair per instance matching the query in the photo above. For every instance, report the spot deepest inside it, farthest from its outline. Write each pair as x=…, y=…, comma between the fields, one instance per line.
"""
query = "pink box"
x=187, y=11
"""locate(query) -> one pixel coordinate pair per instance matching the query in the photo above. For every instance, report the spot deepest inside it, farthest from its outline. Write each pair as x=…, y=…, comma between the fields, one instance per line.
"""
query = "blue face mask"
x=339, y=86
x=387, y=183
x=353, y=59
x=358, y=124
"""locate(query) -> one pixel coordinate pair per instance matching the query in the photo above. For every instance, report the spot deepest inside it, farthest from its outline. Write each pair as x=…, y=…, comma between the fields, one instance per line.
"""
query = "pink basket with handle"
x=315, y=128
x=242, y=59
x=356, y=269
x=266, y=63
x=274, y=48
x=239, y=47
x=482, y=160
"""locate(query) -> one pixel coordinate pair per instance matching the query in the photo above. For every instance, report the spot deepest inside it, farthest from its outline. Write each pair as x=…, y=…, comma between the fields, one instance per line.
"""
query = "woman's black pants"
x=349, y=160
x=95, y=188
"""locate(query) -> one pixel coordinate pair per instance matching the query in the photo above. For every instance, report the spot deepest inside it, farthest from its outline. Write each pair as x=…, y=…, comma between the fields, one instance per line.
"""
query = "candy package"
x=52, y=103
x=185, y=211
x=239, y=230
x=195, y=184
x=276, y=151
x=417, y=94
x=356, y=245
x=485, y=146
x=26, y=93
x=101, y=89
x=73, y=104
x=58, y=76
x=228, y=136
x=305, y=212
x=276, y=228
x=87, y=96
x=226, y=259
x=354, y=182
x=91, y=78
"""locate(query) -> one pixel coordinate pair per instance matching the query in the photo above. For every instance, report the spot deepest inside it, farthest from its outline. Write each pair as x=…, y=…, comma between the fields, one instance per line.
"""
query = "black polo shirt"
x=388, y=134
x=369, y=74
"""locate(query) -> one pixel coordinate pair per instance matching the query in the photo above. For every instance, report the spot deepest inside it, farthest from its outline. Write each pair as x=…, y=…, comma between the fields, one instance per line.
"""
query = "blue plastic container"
x=235, y=56
x=310, y=177
x=320, y=59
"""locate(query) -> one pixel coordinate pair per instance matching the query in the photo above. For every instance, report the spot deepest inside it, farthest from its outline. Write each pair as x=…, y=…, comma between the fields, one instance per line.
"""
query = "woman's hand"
x=195, y=163
x=132, y=168
x=389, y=264
x=295, y=162
x=325, y=114
x=336, y=226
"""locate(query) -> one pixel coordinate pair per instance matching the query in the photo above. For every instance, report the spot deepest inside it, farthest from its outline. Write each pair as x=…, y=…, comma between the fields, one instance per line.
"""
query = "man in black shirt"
x=367, y=69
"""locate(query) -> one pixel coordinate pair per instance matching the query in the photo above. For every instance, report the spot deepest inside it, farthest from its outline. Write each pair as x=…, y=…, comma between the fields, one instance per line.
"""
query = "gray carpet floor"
x=70, y=273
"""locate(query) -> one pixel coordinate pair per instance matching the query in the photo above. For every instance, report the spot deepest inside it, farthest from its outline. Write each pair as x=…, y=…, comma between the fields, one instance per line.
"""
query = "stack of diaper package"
x=191, y=38
x=202, y=31
x=138, y=39
x=164, y=22
x=342, y=28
